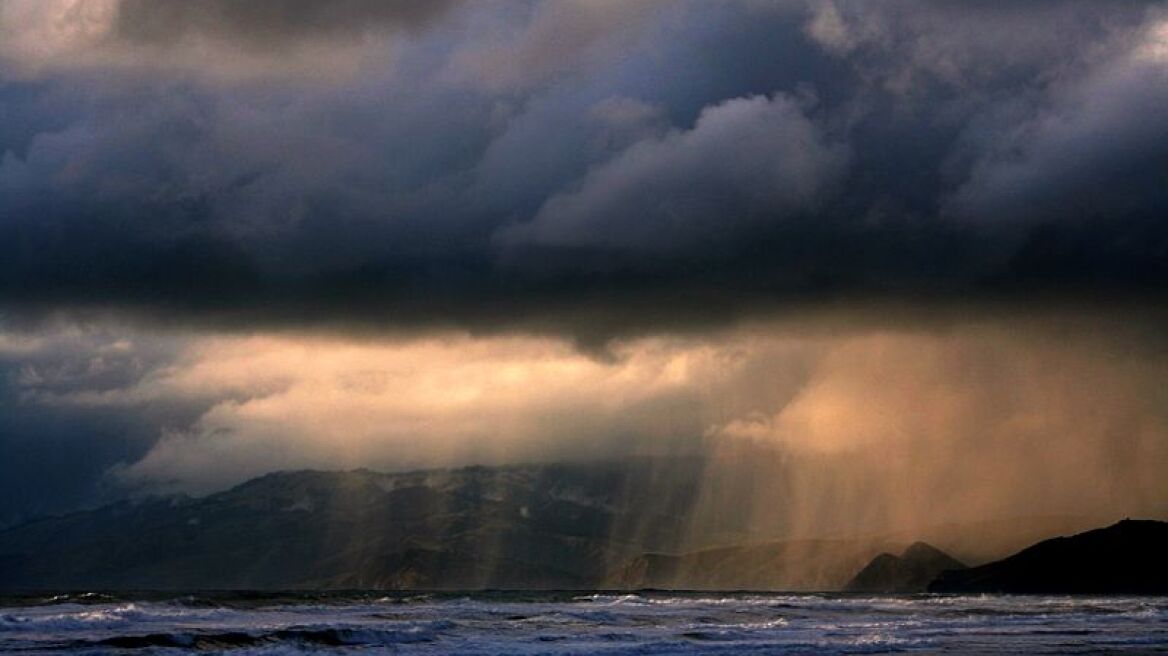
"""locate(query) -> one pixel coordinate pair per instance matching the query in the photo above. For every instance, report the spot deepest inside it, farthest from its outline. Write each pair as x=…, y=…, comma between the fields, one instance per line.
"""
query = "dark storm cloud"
x=54, y=456
x=266, y=24
x=762, y=155
x=1097, y=149
x=678, y=164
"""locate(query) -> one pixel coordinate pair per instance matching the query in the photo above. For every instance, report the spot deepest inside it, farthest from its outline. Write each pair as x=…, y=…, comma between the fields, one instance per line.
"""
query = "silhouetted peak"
x=911, y=571
x=924, y=552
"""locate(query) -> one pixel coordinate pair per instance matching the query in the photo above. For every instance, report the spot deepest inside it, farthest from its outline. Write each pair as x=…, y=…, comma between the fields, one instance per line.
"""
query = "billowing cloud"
x=1094, y=147
x=978, y=47
x=746, y=161
x=552, y=39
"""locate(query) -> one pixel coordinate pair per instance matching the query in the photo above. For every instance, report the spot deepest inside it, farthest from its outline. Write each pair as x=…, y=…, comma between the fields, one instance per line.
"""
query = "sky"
x=925, y=239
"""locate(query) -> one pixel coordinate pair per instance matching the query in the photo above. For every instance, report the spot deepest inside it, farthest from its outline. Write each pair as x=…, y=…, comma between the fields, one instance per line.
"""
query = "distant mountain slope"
x=911, y=571
x=535, y=526
x=1128, y=557
x=636, y=523
x=577, y=525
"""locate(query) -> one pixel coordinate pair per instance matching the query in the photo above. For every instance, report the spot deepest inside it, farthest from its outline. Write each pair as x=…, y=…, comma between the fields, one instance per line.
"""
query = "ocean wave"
x=312, y=636
x=633, y=599
x=640, y=623
x=77, y=598
x=83, y=617
x=66, y=617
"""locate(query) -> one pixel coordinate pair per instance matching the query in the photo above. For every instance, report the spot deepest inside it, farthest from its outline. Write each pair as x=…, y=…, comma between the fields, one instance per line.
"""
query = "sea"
x=579, y=623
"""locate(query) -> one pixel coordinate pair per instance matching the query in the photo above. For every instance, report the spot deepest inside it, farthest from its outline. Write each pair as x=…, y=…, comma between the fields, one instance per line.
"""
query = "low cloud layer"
x=982, y=421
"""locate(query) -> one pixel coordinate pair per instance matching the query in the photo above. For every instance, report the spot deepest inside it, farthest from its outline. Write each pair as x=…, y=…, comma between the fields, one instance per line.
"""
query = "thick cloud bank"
x=529, y=164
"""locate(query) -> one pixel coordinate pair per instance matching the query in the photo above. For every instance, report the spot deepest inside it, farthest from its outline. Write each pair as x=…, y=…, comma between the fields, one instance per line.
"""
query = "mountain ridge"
x=613, y=524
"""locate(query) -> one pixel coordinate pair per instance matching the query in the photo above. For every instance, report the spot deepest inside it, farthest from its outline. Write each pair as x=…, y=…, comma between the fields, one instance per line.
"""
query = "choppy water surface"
x=511, y=623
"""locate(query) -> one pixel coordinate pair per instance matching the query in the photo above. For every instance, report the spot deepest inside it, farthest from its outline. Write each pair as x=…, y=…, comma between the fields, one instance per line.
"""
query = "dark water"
x=572, y=623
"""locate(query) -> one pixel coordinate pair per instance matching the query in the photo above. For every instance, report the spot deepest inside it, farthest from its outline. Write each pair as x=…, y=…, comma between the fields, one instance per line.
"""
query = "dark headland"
x=1130, y=557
